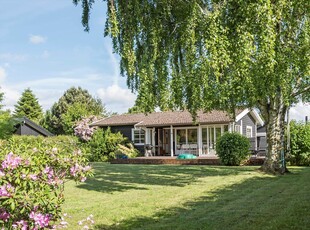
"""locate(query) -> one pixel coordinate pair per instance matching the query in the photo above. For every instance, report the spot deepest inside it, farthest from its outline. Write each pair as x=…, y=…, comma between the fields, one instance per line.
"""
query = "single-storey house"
x=173, y=133
x=25, y=126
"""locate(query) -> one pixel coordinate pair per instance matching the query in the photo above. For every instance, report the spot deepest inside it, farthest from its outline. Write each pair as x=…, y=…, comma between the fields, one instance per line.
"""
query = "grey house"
x=25, y=126
x=261, y=139
x=172, y=133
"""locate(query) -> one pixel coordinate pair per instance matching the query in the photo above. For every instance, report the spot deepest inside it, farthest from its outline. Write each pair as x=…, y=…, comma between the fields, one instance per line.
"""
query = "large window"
x=187, y=136
x=138, y=136
x=181, y=136
x=192, y=136
x=249, y=131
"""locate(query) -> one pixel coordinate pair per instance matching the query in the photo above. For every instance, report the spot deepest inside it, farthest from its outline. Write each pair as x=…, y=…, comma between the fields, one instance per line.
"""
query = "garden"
x=66, y=181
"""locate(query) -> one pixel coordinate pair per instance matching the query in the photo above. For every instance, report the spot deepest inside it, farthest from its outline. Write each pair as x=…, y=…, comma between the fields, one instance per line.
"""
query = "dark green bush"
x=232, y=148
x=300, y=144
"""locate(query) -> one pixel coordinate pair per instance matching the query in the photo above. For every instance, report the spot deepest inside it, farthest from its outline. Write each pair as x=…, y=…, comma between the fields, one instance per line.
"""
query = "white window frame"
x=140, y=141
x=238, y=129
x=248, y=128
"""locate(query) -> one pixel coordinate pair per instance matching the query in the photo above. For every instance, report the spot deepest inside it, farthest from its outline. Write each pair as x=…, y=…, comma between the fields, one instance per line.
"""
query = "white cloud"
x=10, y=97
x=115, y=96
x=48, y=89
x=299, y=111
x=2, y=74
x=37, y=39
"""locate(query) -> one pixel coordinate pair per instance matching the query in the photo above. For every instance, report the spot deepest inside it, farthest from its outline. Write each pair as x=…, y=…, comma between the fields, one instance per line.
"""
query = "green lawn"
x=190, y=197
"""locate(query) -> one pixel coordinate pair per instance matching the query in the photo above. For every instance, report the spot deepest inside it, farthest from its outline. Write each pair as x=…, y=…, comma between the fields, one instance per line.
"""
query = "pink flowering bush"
x=32, y=178
x=83, y=130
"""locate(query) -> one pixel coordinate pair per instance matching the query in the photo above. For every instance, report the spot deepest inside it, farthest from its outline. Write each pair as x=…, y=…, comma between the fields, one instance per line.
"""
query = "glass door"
x=209, y=136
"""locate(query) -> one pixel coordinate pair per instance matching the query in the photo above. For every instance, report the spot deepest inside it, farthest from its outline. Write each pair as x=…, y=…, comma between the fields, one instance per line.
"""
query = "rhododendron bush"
x=32, y=178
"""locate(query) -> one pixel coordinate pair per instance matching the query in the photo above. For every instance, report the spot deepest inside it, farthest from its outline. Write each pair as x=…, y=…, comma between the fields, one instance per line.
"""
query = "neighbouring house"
x=173, y=133
x=25, y=126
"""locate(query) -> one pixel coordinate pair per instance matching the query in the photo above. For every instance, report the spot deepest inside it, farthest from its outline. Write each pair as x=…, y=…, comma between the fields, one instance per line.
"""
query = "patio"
x=205, y=160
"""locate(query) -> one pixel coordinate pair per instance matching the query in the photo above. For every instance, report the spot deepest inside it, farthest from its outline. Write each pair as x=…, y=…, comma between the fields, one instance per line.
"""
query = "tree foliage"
x=300, y=143
x=6, y=121
x=1, y=99
x=28, y=106
x=220, y=54
x=75, y=104
x=6, y=125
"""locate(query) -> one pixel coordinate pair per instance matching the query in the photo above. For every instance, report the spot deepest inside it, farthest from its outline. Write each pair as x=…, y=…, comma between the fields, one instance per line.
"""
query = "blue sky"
x=43, y=46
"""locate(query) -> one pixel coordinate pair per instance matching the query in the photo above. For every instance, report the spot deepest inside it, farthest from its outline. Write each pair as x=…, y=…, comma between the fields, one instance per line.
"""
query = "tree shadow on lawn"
x=111, y=178
x=256, y=203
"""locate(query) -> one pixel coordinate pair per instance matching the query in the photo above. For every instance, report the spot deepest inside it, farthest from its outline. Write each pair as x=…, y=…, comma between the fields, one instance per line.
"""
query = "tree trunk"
x=275, y=129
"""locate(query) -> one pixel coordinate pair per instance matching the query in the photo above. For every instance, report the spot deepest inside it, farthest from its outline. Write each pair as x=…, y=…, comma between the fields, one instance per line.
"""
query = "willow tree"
x=205, y=54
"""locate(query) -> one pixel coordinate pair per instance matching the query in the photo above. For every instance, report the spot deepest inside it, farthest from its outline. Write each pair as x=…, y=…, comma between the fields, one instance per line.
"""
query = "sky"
x=43, y=47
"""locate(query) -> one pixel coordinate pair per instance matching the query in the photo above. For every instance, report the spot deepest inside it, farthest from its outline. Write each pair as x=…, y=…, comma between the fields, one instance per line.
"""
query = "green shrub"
x=32, y=175
x=232, y=148
x=62, y=143
x=105, y=145
x=6, y=125
x=300, y=144
x=126, y=149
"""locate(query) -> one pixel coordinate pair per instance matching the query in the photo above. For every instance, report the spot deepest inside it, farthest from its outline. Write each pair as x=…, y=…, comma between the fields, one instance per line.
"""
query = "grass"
x=190, y=197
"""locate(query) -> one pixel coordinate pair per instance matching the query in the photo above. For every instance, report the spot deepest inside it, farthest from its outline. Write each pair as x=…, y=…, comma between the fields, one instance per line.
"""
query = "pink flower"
x=55, y=181
x=4, y=215
x=6, y=190
x=49, y=171
x=86, y=168
x=22, y=224
x=40, y=219
x=1, y=173
x=11, y=162
x=33, y=177
x=74, y=169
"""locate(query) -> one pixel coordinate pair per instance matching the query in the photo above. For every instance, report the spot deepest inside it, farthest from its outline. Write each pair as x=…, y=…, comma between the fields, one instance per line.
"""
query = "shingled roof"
x=165, y=119
x=118, y=120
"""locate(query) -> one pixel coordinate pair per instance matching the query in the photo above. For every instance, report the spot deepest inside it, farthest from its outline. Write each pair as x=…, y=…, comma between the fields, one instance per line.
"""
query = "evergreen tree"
x=75, y=104
x=28, y=106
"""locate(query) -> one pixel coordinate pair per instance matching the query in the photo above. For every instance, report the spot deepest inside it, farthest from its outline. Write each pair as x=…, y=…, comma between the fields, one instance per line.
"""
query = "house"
x=261, y=140
x=172, y=133
x=25, y=126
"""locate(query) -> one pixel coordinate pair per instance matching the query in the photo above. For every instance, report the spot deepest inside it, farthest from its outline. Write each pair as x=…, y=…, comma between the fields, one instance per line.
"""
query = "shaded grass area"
x=190, y=197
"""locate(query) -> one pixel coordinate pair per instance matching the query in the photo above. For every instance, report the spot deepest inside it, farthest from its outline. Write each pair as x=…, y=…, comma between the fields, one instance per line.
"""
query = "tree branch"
x=304, y=90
